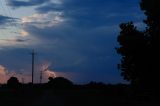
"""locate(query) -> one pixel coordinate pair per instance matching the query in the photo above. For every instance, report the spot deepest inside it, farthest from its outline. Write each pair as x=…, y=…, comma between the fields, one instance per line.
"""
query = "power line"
x=3, y=9
x=12, y=18
x=7, y=12
x=14, y=23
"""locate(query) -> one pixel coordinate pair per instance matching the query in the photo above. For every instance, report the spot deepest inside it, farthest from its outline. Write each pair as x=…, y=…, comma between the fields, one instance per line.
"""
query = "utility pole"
x=41, y=76
x=33, y=55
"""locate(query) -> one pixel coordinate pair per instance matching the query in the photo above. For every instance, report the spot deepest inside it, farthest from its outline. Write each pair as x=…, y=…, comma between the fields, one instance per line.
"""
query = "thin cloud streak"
x=18, y=3
x=5, y=21
x=15, y=40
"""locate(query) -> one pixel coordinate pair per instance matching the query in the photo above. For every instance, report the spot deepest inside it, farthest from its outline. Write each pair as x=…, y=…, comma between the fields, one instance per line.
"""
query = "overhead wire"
x=13, y=23
x=4, y=14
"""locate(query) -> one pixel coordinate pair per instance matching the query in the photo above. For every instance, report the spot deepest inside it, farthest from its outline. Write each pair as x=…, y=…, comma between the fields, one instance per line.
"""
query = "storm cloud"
x=78, y=36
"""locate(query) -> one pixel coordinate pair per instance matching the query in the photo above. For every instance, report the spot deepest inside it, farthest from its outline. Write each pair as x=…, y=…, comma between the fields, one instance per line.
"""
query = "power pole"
x=41, y=76
x=33, y=55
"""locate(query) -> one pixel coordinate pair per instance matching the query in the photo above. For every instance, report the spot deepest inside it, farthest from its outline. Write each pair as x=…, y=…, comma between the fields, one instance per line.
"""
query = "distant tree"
x=13, y=82
x=93, y=85
x=140, y=50
x=50, y=80
x=59, y=82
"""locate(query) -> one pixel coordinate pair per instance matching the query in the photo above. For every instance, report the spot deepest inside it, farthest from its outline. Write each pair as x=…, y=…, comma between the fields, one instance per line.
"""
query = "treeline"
x=93, y=93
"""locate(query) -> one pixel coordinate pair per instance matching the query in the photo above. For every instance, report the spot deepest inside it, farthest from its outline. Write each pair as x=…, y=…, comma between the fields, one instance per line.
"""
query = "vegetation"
x=140, y=50
x=61, y=92
x=13, y=82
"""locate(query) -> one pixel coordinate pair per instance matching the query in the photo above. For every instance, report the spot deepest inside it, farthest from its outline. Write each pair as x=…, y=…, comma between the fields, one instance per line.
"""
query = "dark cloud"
x=85, y=42
x=5, y=20
x=94, y=12
x=20, y=59
x=15, y=58
x=80, y=50
x=18, y=3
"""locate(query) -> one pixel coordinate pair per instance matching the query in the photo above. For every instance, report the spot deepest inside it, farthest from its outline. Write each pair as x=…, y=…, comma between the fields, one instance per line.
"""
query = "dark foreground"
x=86, y=95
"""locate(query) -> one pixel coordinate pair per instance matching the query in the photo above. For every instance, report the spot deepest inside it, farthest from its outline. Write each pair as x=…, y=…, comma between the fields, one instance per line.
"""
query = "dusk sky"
x=73, y=38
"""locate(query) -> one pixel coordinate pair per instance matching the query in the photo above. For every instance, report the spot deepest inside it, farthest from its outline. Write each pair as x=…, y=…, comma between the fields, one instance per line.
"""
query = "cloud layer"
x=5, y=20
x=78, y=36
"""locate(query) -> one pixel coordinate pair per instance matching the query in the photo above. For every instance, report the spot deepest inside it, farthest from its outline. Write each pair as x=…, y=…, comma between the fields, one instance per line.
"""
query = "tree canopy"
x=140, y=50
x=13, y=82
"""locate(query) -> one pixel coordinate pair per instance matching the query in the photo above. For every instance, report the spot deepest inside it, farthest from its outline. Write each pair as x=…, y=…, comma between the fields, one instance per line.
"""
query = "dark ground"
x=109, y=95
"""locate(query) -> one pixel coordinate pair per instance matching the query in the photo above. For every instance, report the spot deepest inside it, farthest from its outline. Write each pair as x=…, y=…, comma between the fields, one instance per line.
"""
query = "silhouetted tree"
x=50, y=82
x=13, y=82
x=133, y=46
x=141, y=50
x=59, y=82
x=152, y=11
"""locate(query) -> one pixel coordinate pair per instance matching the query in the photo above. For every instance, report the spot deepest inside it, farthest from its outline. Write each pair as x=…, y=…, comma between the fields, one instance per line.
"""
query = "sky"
x=75, y=39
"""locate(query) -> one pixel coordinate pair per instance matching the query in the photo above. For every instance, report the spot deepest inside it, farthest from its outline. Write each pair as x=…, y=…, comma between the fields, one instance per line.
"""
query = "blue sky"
x=76, y=38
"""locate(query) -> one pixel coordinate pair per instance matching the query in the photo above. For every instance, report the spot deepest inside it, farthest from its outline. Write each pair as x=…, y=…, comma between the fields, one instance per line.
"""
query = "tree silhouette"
x=59, y=82
x=140, y=50
x=132, y=48
x=13, y=82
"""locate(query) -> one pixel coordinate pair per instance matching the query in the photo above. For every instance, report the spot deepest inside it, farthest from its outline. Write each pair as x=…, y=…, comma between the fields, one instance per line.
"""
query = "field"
x=77, y=95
